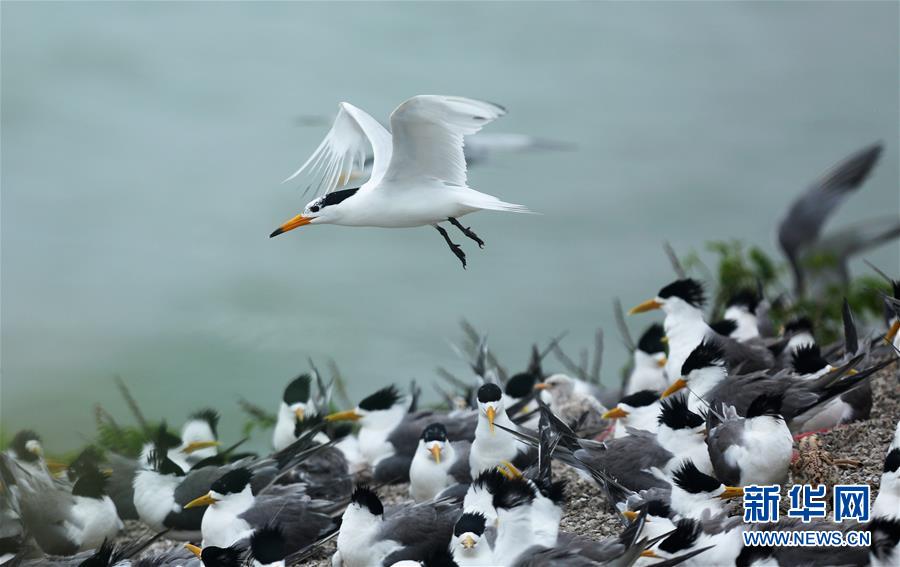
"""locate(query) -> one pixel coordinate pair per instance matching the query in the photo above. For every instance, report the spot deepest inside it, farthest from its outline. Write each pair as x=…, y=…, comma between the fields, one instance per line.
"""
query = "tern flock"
x=707, y=408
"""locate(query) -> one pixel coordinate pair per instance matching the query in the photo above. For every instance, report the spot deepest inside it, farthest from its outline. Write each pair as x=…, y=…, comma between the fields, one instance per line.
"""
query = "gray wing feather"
x=719, y=440
x=628, y=459
x=120, y=486
x=460, y=470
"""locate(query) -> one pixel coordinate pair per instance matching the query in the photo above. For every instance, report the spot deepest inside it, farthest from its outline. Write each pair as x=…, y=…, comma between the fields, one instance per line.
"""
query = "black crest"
x=687, y=289
x=521, y=385
x=90, y=484
x=232, y=482
x=640, y=399
x=87, y=460
x=434, y=432
x=268, y=545
x=808, y=360
x=659, y=509
x=651, y=341
x=676, y=415
x=221, y=556
x=555, y=491
x=745, y=298
x=766, y=404
x=210, y=416
x=512, y=493
x=21, y=440
x=470, y=522
x=308, y=424
x=689, y=478
x=685, y=535
x=298, y=390
x=885, y=536
x=707, y=354
x=334, y=198
x=160, y=462
x=383, y=399
x=797, y=325
x=489, y=393
x=751, y=554
x=892, y=461
x=164, y=440
x=724, y=327
x=489, y=480
x=365, y=497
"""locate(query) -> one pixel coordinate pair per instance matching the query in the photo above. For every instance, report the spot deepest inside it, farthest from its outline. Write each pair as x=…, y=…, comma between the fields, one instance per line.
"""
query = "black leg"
x=453, y=247
x=467, y=230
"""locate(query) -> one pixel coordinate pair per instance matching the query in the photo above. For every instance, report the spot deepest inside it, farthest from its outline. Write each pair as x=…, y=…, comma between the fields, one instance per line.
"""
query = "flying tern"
x=418, y=172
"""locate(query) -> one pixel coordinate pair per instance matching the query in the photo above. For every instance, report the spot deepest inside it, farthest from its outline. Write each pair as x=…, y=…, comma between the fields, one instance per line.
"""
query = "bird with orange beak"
x=438, y=463
x=494, y=445
x=685, y=328
x=418, y=173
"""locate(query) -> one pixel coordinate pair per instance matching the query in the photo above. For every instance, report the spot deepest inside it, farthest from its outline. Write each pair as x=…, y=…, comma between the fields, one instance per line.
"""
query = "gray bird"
x=799, y=232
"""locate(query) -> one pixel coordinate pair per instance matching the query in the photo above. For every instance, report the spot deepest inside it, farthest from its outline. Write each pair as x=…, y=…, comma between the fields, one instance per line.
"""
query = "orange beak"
x=615, y=413
x=676, y=385
x=295, y=222
x=436, y=453
x=648, y=305
x=541, y=386
x=631, y=515
x=892, y=332
x=491, y=413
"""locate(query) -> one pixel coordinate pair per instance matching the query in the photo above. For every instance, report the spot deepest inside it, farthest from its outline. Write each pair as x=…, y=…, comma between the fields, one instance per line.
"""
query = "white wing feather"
x=428, y=133
x=343, y=151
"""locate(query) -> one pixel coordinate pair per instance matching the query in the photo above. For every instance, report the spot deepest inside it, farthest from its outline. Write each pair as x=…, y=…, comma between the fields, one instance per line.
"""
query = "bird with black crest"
x=638, y=411
x=389, y=433
x=494, y=445
x=438, y=463
x=371, y=536
x=686, y=327
x=753, y=449
x=648, y=362
x=296, y=405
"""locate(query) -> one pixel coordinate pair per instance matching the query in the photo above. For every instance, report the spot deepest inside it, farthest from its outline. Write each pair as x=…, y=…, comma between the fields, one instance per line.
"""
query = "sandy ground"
x=587, y=514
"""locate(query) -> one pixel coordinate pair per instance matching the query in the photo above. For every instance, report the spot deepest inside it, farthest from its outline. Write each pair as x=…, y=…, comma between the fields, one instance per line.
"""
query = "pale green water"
x=143, y=146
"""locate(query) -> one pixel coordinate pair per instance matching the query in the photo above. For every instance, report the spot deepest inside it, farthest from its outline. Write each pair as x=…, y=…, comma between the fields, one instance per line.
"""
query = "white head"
x=382, y=410
x=324, y=210
x=682, y=297
x=480, y=496
x=199, y=435
x=559, y=386
x=490, y=404
x=703, y=369
x=434, y=445
x=231, y=491
x=693, y=492
x=636, y=410
x=468, y=544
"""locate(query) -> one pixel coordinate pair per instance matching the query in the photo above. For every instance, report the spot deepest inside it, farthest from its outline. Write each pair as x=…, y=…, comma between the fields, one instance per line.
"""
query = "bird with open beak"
x=438, y=463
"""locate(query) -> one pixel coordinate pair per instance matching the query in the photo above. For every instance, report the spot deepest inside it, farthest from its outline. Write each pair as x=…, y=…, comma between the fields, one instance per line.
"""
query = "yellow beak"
x=892, y=332
x=650, y=553
x=509, y=470
x=55, y=467
x=676, y=385
x=615, y=413
x=631, y=515
x=491, y=413
x=197, y=445
x=349, y=415
x=468, y=542
x=299, y=413
x=205, y=500
x=295, y=222
x=662, y=362
x=436, y=453
x=193, y=549
x=648, y=305
x=732, y=492
x=541, y=386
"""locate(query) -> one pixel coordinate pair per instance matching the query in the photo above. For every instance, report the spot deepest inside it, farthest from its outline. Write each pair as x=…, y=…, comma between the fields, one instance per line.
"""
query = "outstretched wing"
x=428, y=135
x=809, y=212
x=343, y=151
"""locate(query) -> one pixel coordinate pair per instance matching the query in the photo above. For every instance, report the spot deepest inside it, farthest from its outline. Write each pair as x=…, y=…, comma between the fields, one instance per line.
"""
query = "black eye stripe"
x=334, y=198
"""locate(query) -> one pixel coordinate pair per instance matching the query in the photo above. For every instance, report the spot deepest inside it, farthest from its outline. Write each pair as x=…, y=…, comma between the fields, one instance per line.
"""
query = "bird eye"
x=314, y=208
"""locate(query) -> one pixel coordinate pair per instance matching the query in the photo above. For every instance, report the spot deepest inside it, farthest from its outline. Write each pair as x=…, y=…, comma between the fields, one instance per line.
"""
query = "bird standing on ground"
x=649, y=361
x=418, y=172
x=494, y=445
x=437, y=463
